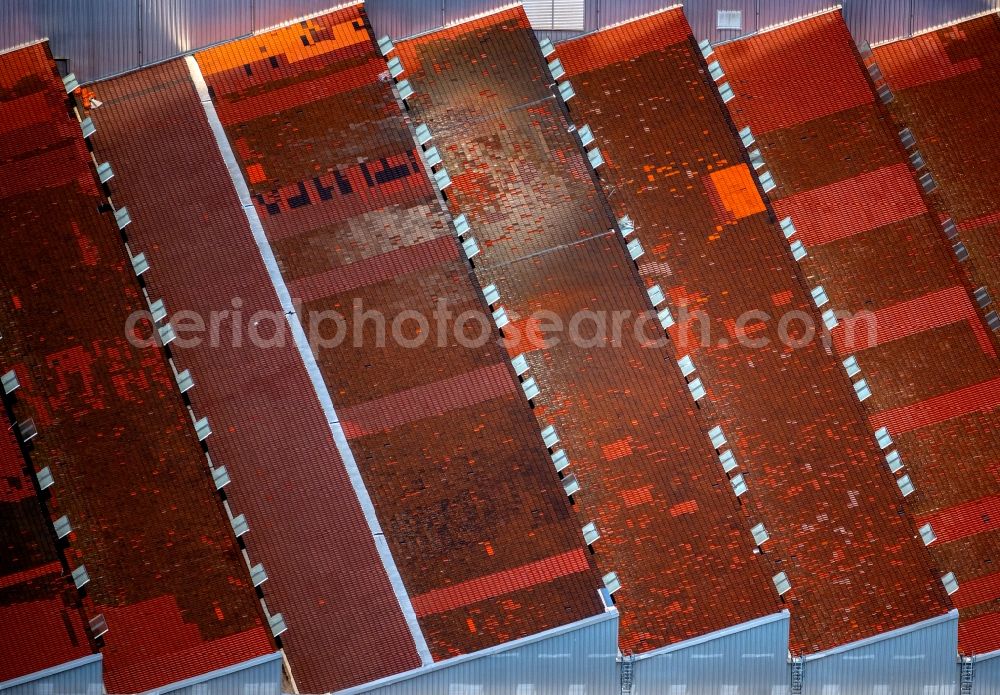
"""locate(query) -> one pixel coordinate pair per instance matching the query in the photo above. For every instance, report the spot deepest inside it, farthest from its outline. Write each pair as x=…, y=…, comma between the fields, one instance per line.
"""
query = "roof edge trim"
x=950, y=616
x=708, y=637
x=456, y=22
x=623, y=22
x=295, y=20
x=976, y=657
x=52, y=670
x=938, y=27
x=801, y=18
x=489, y=651
x=218, y=673
x=21, y=46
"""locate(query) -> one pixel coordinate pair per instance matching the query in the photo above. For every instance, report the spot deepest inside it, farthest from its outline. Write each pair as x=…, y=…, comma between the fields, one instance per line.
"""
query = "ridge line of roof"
x=783, y=614
x=951, y=615
x=937, y=27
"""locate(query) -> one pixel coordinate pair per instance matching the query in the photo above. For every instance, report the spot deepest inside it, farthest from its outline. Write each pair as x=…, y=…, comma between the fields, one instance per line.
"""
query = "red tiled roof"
x=933, y=383
x=670, y=525
x=442, y=435
x=188, y=221
x=164, y=565
x=676, y=167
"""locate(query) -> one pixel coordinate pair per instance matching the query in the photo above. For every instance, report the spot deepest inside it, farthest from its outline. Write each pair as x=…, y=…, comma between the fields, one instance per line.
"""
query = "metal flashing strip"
x=296, y=20
x=218, y=673
x=800, y=18
x=978, y=657
x=489, y=651
x=951, y=615
x=938, y=27
x=51, y=671
x=621, y=22
x=26, y=44
x=708, y=637
x=309, y=360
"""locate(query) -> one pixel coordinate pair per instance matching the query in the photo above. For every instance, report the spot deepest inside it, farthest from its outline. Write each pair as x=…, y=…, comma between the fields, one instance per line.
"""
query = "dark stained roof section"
x=799, y=435
x=478, y=524
x=165, y=568
x=930, y=364
x=670, y=526
x=268, y=427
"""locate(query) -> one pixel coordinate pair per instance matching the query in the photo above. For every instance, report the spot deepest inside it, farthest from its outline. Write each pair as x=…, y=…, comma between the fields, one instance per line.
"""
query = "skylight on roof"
x=530, y=388
x=746, y=136
x=471, y=247
x=550, y=436
x=586, y=135
x=906, y=137
x=635, y=249
x=950, y=583
x=655, y=295
x=88, y=127
x=697, y=389
x=520, y=364
x=819, y=295
x=104, y=172
x=122, y=217
x=686, y=364
x=556, y=69
x=385, y=45
x=220, y=476
x=715, y=70
x=665, y=318
x=862, y=390
x=185, y=382
x=81, y=577
x=781, y=583
x=500, y=317
x=158, y=310
x=423, y=133
x=560, y=460
x=706, y=48
x=830, y=319
x=62, y=526
x=546, y=46
x=166, y=333
x=726, y=92
x=961, y=252
x=432, y=157
x=927, y=534
x=590, y=533
x=27, y=429
x=739, y=484
x=717, y=436
x=928, y=183
x=728, y=460
x=595, y=157
x=240, y=525
x=442, y=179
x=10, y=382
x=798, y=250
x=982, y=297
x=257, y=575
x=894, y=460
x=626, y=225
x=395, y=67
x=788, y=228
x=405, y=89
x=950, y=230
x=767, y=182
x=202, y=429
x=491, y=294
x=883, y=438
x=571, y=485
x=611, y=582
x=760, y=535
x=905, y=485
x=851, y=365
x=566, y=91
x=45, y=479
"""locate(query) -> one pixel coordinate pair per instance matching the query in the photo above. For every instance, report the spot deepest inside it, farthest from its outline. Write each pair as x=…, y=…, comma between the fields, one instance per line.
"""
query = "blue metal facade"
x=80, y=677
x=986, y=674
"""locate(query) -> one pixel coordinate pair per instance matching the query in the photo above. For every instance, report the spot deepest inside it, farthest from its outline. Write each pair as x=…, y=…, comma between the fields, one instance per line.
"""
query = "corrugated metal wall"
x=914, y=661
x=748, y=659
x=260, y=676
x=80, y=677
x=987, y=675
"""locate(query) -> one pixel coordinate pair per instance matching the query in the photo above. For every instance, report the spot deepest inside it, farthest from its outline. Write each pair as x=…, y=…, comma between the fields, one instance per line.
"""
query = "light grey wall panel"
x=80, y=677
x=399, y=19
x=260, y=676
x=607, y=12
x=752, y=658
x=702, y=16
x=914, y=661
x=267, y=13
x=171, y=27
x=987, y=675
x=777, y=11
x=931, y=13
x=878, y=21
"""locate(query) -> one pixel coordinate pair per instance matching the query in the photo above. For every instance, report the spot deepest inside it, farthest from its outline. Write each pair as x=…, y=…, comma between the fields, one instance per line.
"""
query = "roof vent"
x=550, y=436
x=560, y=460
x=277, y=624
x=746, y=136
x=760, y=536
x=595, y=157
x=385, y=45
x=739, y=484
x=139, y=264
x=655, y=295
x=442, y=179
x=202, y=429
x=928, y=183
x=767, y=182
x=566, y=91
x=706, y=48
x=27, y=429
x=961, y=253
x=726, y=92
x=45, y=479
x=949, y=228
x=862, y=390
x=894, y=460
x=715, y=70
x=729, y=20
x=626, y=225
x=717, y=436
x=471, y=247
x=98, y=625
x=240, y=525
x=556, y=69
x=665, y=318
x=586, y=135
x=883, y=438
x=635, y=249
x=788, y=228
x=756, y=159
x=80, y=577
x=830, y=319
x=905, y=485
x=927, y=534
x=950, y=583
x=728, y=460
x=158, y=310
x=993, y=320
x=819, y=295
x=500, y=317
x=697, y=389
x=104, y=172
x=547, y=47
x=88, y=127
x=917, y=160
x=611, y=582
x=461, y=223
x=220, y=476
x=70, y=83
x=167, y=334
x=590, y=533
x=781, y=583
x=798, y=250
x=405, y=89
x=423, y=133
x=874, y=71
x=122, y=218
x=62, y=526
x=906, y=137
x=258, y=575
x=185, y=382
x=686, y=364
x=530, y=388
x=885, y=94
x=520, y=364
x=10, y=382
x=492, y=294
x=851, y=365
x=982, y=296
x=395, y=67
x=571, y=485
x=432, y=157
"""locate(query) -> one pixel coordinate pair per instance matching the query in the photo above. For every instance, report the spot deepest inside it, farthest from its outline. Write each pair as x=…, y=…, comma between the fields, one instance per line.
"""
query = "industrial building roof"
x=454, y=462
x=164, y=566
x=675, y=166
x=670, y=526
x=843, y=176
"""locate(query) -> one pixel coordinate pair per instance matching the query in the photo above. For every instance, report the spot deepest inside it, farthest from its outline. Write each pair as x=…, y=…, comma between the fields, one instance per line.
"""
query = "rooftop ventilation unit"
x=950, y=230
x=706, y=48
x=665, y=318
x=686, y=364
x=819, y=295
x=697, y=389
x=395, y=67
x=715, y=70
x=756, y=159
x=471, y=247
x=885, y=94
x=122, y=218
x=566, y=91
x=746, y=136
x=530, y=388
x=993, y=320
x=781, y=583
x=905, y=485
x=590, y=533
x=80, y=577
x=894, y=460
x=760, y=536
x=611, y=582
x=739, y=484
x=928, y=183
x=917, y=160
x=635, y=249
x=277, y=624
x=98, y=626
x=571, y=485
x=961, y=253
x=547, y=47
x=626, y=225
x=202, y=429
x=166, y=333
x=798, y=250
x=27, y=429
x=655, y=295
x=88, y=127
x=862, y=390
x=500, y=317
x=767, y=182
x=432, y=157
x=520, y=364
x=830, y=319
x=45, y=479
x=70, y=83
x=851, y=365
x=883, y=438
x=788, y=228
x=595, y=157
x=258, y=575
x=726, y=92
x=240, y=525
x=385, y=45
x=461, y=223
x=220, y=476
x=423, y=133
x=950, y=583
x=104, y=172
x=728, y=460
x=729, y=20
x=185, y=382
x=586, y=135
x=139, y=264
x=906, y=137
x=491, y=294
x=560, y=460
x=550, y=436
x=875, y=73
x=62, y=526
x=717, y=436
x=442, y=179
x=556, y=69
x=982, y=297
x=927, y=534
x=405, y=89
x=10, y=382
x=158, y=310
